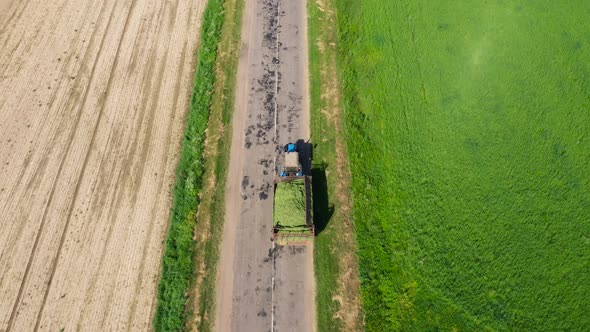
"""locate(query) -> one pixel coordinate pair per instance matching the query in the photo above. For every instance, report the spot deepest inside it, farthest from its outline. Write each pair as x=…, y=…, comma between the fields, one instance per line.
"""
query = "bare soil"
x=93, y=96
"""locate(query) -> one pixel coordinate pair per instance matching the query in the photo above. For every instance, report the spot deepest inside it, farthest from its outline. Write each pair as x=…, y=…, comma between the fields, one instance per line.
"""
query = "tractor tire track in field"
x=85, y=163
x=33, y=252
x=93, y=97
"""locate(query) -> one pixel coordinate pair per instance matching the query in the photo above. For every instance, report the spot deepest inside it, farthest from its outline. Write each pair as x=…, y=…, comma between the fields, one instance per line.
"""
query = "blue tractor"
x=291, y=147
x=292, y=166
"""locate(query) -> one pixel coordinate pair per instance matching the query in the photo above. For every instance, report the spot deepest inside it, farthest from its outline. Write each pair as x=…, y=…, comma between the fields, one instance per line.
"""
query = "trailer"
x=292, y=205
x=292, y=212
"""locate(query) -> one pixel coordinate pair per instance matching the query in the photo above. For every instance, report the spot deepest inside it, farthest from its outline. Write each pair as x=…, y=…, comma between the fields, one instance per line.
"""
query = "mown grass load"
x=289, y=205
x=178, y=264
x=468, y=127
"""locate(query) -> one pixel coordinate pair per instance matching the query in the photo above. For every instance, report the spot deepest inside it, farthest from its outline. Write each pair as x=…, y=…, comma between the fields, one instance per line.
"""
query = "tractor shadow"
x=322, y=210
x=305, y=150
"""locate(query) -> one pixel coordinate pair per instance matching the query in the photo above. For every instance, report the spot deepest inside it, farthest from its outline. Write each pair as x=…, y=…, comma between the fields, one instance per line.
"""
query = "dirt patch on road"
x=93, y=95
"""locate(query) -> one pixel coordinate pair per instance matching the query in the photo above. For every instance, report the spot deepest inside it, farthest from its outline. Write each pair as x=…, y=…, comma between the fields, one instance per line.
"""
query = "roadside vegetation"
x=336, y=264
x=179, y=254
x=468, y=128
x=216, y=156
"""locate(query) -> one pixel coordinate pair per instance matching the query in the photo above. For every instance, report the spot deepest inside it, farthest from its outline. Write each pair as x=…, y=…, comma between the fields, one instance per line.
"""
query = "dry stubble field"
x=93, y=95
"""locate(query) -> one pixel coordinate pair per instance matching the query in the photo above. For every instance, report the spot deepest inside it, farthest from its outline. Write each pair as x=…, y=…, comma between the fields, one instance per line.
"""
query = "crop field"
x=468, y=128
x=93, y=102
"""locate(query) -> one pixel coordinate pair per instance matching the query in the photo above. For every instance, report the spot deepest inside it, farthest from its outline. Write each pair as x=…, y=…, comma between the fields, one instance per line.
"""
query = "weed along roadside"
x=178, y=261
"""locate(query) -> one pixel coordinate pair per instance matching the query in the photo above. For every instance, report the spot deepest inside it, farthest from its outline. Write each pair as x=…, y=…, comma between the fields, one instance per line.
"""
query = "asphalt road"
x=263, y=288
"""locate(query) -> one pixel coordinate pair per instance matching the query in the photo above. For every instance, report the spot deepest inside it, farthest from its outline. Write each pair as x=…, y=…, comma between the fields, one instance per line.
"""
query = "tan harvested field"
x=93, y=96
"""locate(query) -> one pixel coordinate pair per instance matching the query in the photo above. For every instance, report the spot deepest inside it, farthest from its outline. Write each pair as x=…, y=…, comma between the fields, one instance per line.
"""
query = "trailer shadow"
x=322, y=210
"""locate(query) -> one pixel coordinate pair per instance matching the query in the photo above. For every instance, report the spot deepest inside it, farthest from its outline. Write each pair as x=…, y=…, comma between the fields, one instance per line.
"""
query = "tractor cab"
x=291, y=166
x=291, y=147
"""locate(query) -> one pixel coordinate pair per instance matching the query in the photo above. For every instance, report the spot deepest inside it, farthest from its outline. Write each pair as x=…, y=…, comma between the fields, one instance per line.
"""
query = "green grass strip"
x=331, y=217
x=178, y=263
x=222, y=110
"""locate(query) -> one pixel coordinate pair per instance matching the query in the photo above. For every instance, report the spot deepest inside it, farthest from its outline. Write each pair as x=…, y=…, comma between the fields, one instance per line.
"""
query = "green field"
x=468, y=126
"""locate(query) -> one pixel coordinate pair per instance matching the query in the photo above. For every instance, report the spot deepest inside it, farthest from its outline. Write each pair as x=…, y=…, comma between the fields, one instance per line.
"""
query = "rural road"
x=93, y=98
x=261, y=288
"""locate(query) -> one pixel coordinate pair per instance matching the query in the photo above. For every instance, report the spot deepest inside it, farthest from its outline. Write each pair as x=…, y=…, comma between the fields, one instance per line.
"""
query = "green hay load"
x=290, y=204
x=292, y=211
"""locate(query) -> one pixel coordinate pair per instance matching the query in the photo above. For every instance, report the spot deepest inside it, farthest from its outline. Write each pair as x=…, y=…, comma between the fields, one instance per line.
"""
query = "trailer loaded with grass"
x=292, y=217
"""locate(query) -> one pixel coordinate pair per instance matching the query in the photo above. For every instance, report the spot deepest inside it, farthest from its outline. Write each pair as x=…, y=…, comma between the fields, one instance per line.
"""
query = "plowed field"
x=93, y=95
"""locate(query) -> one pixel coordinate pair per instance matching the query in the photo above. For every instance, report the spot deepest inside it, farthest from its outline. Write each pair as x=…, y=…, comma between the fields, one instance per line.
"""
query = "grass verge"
x=179, y=253
x=337, y=291
x=218, y=146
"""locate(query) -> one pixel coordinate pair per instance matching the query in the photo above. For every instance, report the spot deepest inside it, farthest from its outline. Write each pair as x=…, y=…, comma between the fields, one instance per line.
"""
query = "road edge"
x=225, y=282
